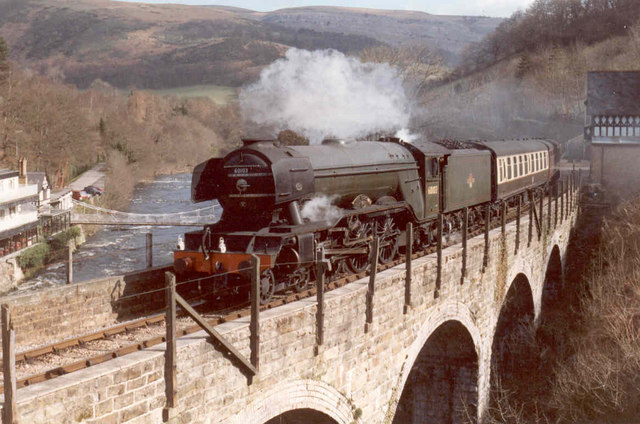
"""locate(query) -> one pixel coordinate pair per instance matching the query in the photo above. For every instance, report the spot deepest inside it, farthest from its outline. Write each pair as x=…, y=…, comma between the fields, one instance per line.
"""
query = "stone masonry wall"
x=56, y=313
x=354, y=374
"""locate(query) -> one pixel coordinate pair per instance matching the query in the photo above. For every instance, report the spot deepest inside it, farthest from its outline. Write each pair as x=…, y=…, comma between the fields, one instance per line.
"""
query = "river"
x=116, y=250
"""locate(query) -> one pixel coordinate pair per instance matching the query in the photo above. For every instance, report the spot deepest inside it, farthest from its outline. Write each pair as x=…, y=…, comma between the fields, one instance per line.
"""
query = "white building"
x=18, y=211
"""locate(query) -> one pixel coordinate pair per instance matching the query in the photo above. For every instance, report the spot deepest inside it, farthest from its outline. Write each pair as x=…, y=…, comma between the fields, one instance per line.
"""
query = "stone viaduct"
x=430, y=363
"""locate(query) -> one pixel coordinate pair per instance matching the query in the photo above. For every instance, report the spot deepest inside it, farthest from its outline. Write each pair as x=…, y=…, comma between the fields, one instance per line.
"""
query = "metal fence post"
x=170, y=366
x=487, y=224
x=254, y=326
x=149, y=246
x=465, y=231
x=69, y=263
x=407, y=279
x=561, y=201
x=532, y=205
x=503, y=218
x=320, y=280
x=556, y=192
x=518, y=212
x=372, y=282
x=541, y=218
x=436, y=293
x=566, y=198
x=10, y=412
x=549, y=211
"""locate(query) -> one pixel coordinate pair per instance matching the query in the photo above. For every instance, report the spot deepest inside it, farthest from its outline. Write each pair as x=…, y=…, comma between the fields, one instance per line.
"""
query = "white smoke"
x=406, y=135
x=324, y=93
x=320, y=208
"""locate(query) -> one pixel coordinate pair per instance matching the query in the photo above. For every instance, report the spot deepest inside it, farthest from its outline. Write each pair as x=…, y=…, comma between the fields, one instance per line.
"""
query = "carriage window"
x=521, y=162
x=533, y=162
x=526, y=164
x=546, y=160
x=537, y=159
x=499, y=170
x=509, y=169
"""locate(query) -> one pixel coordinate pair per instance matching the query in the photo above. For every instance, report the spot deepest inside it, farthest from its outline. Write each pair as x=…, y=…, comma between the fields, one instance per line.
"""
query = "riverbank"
x=113, y=250
x=23, y=265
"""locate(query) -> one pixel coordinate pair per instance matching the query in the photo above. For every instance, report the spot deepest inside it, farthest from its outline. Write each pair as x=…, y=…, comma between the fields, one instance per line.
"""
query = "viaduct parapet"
x=431, y=364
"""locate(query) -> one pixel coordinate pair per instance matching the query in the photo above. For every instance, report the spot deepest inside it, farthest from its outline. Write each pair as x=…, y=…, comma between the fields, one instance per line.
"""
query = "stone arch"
x=513, y=333
x=303, y=415
x=442, y=363
x=297, y=395
x=553, y=281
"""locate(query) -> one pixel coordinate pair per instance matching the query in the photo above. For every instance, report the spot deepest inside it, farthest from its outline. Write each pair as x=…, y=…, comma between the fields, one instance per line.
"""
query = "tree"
x=5, y=67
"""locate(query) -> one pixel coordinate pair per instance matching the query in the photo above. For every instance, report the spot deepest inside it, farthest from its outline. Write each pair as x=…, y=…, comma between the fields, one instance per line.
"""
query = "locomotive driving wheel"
x=267, y=286
x=359, y=230
x=300, y=278
x=389, y=236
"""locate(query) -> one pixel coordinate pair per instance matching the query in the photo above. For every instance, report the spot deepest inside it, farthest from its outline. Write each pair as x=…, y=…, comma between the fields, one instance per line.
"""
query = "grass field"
x=218, y=93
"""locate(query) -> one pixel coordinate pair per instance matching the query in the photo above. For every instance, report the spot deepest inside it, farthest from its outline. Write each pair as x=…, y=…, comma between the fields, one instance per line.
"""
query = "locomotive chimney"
x=22, y=172
x=294, y=213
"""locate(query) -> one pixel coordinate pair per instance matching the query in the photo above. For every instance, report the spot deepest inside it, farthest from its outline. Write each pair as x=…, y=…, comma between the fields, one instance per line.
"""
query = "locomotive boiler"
x=355, y=190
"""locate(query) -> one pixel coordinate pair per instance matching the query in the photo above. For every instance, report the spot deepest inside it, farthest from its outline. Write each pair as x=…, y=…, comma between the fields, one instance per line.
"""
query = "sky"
x=497, y=8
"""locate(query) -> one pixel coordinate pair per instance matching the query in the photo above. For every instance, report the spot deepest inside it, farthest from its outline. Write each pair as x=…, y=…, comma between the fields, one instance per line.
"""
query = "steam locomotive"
x=284, y=204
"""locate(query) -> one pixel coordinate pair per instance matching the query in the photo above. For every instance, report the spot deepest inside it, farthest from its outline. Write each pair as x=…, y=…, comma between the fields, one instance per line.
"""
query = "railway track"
x=157, y=320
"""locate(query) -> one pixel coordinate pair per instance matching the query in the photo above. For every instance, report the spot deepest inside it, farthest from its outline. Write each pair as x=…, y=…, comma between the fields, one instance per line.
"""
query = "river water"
x=116, y=250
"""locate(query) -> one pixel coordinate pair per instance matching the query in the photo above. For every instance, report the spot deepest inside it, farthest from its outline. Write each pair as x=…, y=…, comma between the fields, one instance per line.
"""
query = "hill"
x=165, y=45
x=449, y=34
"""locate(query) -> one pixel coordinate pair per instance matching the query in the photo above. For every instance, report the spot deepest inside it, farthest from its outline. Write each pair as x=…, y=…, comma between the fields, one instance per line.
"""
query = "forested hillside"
x=528, y=77
x=168, y=45
x=548, y=23
x=138, y=134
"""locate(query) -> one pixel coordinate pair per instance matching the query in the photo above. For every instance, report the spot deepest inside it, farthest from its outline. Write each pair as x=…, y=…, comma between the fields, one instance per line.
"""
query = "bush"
x=34, y=257
x=61, y=240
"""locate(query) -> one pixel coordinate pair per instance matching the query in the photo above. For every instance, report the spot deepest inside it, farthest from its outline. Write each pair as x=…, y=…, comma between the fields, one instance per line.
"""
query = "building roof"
x=613, y=93
x=57, y=194
x=39, y=178
x=7, y=173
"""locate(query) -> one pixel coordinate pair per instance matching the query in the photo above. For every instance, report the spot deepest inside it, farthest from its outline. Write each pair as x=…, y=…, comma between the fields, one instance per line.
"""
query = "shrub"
x=34, y=257
x=61, y=240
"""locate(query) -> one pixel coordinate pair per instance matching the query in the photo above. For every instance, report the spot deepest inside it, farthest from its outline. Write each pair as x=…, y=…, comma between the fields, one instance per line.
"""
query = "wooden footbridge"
x=85, y=213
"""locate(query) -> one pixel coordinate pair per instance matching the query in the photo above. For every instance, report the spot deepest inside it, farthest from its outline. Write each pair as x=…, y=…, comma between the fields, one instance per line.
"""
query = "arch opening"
x=442, y=384
x=513, y=351
x=553, y=284
x=302, y=416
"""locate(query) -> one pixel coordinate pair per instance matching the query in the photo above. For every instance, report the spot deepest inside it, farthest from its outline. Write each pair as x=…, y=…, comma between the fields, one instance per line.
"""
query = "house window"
x=12, y=210
x=1, y=214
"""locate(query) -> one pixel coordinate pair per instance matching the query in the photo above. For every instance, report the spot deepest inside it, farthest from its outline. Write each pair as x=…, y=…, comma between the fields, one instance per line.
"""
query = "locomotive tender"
x=364, y=188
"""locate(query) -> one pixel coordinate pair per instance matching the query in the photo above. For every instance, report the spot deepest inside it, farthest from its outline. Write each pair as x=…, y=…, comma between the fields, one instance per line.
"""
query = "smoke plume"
x=324, y=93
x=320, y=208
